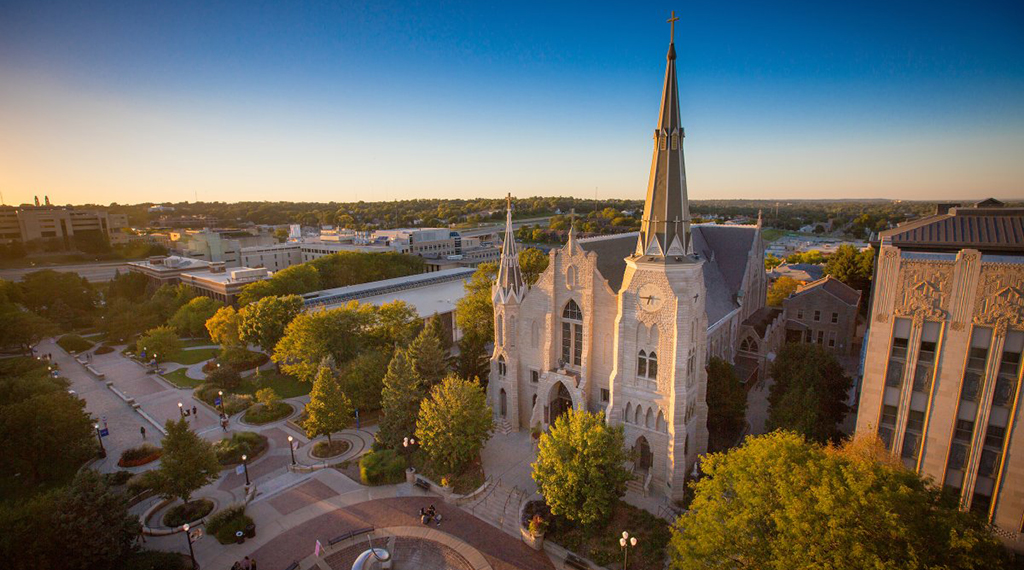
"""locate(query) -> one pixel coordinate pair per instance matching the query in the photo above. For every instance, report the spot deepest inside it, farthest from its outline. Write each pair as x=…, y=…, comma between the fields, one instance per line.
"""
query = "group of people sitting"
x=429, y=515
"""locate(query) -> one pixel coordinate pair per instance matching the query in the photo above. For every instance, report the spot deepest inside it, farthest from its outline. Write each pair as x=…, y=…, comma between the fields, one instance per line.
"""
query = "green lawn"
x=193, y=356
x=284, y=385
x=190, y=342
x=179, y=379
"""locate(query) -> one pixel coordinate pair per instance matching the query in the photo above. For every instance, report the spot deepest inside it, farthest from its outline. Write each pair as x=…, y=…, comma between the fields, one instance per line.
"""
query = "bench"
x=422, y=484
x=349, y=535
x=99, y=375
x=574, y=561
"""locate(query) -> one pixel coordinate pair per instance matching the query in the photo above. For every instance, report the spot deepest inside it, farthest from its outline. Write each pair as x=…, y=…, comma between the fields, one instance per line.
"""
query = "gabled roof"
x=990, y=229
x=725, y=250
x=834, y=287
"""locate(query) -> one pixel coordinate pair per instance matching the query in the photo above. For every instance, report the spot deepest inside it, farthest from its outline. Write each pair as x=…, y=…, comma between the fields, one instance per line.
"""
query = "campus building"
x=57, y=225
x=624, y=324
x=210, y=279
x=942, y=376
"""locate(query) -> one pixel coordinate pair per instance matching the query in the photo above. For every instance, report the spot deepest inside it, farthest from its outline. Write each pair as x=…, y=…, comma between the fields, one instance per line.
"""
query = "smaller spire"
x=571, y=245
x=509, y=284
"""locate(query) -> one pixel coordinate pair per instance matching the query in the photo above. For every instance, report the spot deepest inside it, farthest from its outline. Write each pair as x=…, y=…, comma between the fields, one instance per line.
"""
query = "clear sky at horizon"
x=230, y=101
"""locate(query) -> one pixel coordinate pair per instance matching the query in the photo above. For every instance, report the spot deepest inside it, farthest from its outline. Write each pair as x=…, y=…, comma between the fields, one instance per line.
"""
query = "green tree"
x=579, y=467
x=782, y=288
x=441, y=332
x=852, y=267
x=472, y=360
x=23, y=328
x=390, y=324
x=362, y=380
x=532, y=262
x=128, y=286
x=329, y=410
x=168, y=299
x=727, y=404
x=188, y=462
x=65, y=298
x=454, y=423
x=263, y=322
x=771, y=262
x=190, y=319
x=339, y=333
x=781, y=502
x=810, y=392
x=475, y=311
x=161, y=341
x=223, y=328
x=400, y=401
x=428, y=357
x=268, y=397
x=46, y=436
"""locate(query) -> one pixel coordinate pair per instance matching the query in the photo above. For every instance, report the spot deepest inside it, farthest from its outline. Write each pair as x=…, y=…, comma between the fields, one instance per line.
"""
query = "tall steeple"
x=509, y=285
x=665, y=228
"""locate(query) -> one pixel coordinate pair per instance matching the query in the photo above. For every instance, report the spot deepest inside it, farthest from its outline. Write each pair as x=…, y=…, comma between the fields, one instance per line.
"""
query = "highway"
x=95, y=272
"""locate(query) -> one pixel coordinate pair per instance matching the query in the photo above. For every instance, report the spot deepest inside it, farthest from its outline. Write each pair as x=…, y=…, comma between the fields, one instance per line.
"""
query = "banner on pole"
x=319, y=547
x=239, y=469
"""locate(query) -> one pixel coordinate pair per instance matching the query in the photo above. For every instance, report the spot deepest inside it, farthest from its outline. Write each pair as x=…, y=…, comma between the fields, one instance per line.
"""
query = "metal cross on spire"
x=672, y=29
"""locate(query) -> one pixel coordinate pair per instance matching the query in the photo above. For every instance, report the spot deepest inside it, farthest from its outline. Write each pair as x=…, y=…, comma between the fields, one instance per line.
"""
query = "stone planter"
x=410, y=475
x=448, y=493
x=536, y=541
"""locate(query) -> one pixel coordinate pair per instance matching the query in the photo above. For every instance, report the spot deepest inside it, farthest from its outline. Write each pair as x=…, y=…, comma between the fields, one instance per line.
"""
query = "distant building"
x=210, y=279
x=221, y=245
x=801, y=272
x=942, y=375
x=57, y=225
x=823, y=312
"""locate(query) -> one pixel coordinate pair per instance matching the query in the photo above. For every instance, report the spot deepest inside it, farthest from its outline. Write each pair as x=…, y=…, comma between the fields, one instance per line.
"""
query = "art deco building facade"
x=942, y=376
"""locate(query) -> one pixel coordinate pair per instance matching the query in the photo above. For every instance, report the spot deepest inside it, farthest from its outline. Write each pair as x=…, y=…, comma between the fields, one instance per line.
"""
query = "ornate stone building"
x=624, y=324
x=942, y=377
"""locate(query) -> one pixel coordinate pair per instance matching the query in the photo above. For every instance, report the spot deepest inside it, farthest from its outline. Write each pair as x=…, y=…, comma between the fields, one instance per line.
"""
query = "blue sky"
x=133, y=101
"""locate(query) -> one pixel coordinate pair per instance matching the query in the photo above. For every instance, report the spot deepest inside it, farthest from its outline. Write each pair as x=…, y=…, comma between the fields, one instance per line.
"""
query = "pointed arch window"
x=748, y=345
x=629, y=411
x=641, y=364
x=647, y=364
x=502, y=367
x=652, y=365
x=572, y=334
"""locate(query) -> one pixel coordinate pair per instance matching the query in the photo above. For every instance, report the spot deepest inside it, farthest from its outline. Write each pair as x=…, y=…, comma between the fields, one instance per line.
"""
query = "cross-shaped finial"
x=672, y=22
x=509, y=200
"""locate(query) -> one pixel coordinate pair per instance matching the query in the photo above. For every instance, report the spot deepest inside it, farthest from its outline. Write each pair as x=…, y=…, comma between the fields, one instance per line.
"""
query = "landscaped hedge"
x=261, y=414
x=225, y=377
x=230, y=450
x=104, y=350
x=382, y=467
x=238, y=360
x=188, y=512
x=74, y=343
x=226, y=523
x=233, y=403
x=141, y=455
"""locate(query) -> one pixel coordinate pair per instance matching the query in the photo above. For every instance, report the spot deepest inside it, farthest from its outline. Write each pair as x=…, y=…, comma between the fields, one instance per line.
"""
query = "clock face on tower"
x=649, y=297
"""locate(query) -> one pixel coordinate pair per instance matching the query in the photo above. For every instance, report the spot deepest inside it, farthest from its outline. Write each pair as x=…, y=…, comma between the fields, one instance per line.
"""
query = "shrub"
x=230, y=450
x=267, y=397
x=382, y=467
x=144, y=481
x=74, y=343
x=117, y=478
x=264, y=414
x=233, y=403
x=104, y=350
x=225, y=377
x=141, y=455
x=226, y=523
x=242, y=360
x=324, y=449
x=188, y=512
x=156, y=560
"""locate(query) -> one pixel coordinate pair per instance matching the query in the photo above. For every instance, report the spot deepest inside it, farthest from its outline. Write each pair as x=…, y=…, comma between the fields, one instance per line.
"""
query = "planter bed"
x=260, y=414
x=322, y=451
x=187, y=512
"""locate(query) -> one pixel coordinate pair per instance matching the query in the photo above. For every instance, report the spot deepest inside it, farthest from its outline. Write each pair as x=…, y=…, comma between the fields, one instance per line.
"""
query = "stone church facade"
x=625, y=324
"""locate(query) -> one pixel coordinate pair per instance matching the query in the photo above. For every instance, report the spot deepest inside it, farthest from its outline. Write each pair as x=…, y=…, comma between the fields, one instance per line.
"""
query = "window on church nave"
x=748, y=345
x=572, y=334
x=502, y=367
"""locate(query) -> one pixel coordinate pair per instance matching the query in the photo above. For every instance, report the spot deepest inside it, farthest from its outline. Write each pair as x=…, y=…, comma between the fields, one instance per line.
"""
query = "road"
x=498, y=228
x=94, y=272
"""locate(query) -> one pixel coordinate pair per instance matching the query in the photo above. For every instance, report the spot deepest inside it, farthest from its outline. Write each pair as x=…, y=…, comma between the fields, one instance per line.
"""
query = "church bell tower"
x=507, y=296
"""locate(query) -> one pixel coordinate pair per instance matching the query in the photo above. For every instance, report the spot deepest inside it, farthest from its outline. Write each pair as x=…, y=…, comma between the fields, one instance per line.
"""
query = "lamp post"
x=221, y=394
x=181, y=410
x=99, y=437
x=407, y=443
x=188, y=536
x=626, y=542
x=291, y=447
x=245, y=467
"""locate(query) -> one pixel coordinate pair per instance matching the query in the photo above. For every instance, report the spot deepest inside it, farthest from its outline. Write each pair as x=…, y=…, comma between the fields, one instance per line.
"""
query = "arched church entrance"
x=503, y=403
x=644, y=458
x=560, y=403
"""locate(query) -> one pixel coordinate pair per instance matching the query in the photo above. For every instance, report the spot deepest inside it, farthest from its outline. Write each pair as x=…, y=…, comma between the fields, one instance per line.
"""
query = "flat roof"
x=429, y=293
x=225, y=276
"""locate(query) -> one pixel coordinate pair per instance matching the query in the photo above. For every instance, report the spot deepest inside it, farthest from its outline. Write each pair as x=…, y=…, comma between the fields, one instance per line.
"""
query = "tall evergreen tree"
x=441, y=332
x=329, y=410
x=400, y=401
x=428, y=357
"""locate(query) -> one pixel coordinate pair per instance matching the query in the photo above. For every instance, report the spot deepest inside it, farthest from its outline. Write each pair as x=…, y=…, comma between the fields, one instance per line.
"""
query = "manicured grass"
x=600, y=542
x=323, y=450
x=226, y=523
x=193, y=356
x=179, y=379
x=191, y=342
x=285, y=386
x=382, y=467
x=74, y=343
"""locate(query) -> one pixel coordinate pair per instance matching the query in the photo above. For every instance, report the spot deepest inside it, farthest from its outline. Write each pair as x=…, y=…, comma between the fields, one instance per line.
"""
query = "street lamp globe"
x=632, y=541
x=244, y=457
x=622, y=542
x=625, y=534
x=185, y=527
x=290, y=439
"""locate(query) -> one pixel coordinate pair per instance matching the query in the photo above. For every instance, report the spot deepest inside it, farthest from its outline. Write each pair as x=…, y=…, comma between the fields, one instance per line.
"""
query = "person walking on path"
x=142, y=430
x=195, y=412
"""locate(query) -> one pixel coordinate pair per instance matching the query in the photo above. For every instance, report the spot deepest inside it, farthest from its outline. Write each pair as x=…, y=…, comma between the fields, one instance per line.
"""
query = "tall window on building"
x=925, y=369
x=990, y=461
x=887, y=425
x=898, y=354
x=912, y=438
x=572, y=334
x=641, y=364
x=967, y=409
x=502, y=367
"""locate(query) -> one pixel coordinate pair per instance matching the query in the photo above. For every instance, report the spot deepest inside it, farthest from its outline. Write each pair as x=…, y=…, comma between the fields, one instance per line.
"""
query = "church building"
x=625, y=324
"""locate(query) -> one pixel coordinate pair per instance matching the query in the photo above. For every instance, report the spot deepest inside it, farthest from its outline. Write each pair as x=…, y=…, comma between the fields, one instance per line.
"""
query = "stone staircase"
x=503, y=427
x=500, y=507
x=637, y=483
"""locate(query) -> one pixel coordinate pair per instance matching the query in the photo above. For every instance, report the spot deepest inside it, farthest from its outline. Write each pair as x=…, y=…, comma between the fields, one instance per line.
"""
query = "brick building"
x=823, y=312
